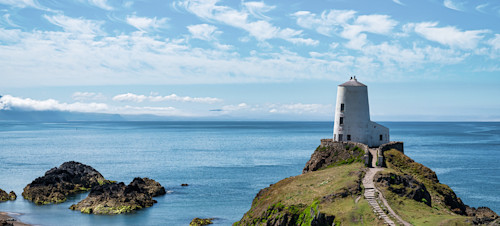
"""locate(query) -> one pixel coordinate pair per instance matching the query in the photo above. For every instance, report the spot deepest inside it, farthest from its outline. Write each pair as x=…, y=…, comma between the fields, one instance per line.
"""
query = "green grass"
x=301, y=193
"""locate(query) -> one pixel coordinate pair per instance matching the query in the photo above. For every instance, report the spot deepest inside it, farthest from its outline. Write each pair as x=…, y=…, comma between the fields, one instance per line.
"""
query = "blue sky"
x=282, y=60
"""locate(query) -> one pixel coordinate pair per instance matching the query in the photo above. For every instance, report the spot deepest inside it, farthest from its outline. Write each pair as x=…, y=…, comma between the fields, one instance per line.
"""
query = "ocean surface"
x=224, y=163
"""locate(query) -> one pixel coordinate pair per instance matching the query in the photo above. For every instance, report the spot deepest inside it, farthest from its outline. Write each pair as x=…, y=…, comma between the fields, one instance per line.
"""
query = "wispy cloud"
x=84, y=96
x=203, y=31
x=147, y=24
x=103, y=4
x=346, y=24
x=76, y=25
x=495, y=42
x=449, y=35
x=130, y=97
x=300, y=108
x=262, y=30
x=26, y=3
x=454, y=4
x=398, y=2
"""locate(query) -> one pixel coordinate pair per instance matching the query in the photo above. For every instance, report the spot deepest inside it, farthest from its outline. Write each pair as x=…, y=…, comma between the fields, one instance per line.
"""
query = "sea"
x=225, y=164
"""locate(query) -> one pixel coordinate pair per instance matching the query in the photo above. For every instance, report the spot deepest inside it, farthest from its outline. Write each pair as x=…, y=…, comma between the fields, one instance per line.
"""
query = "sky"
x=428, y=60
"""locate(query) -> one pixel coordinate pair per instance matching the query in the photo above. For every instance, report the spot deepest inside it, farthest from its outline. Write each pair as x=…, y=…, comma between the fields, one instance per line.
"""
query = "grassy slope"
x=418, y=213
x=310, y=187
x=297, y=194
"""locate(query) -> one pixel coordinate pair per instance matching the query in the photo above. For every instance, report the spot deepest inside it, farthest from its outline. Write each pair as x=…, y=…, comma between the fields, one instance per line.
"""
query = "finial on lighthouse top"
x=352, y=82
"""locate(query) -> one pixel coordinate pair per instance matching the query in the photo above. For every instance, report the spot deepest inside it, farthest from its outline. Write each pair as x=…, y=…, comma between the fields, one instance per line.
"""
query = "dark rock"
x=404, y=186
x=483, y=216
x=201, y=221
x=152, y=187
x=6, y=197
x=5, y=223
x=184, y=185
x=12, y=195
x=336, y=153
x=118, y=198
x=58, y=183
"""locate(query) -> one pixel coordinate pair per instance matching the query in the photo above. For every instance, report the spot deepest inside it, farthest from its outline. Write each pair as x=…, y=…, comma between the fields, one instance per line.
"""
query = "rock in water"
x=118, y=198
x=58, y=183
x=6, y=197
x=152, y=187
x=3, y=196
x=12, y=195
x=201, y=221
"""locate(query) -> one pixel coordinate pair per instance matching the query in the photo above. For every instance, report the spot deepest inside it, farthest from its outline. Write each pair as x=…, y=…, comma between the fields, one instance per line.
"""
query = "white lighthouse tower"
x=352, y=116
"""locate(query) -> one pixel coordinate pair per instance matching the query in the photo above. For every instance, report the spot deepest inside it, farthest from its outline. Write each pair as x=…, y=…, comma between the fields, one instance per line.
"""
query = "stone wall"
x=330, y=143
x=398, y=145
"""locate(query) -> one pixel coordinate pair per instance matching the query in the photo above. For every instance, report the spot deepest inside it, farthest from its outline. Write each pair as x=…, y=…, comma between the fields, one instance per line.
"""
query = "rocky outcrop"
x=6, y=197
x=60, y=182
x=281, y=215
x=483, y=216
x=404, y=186
x=201, y=221
x=333, y=154
x=118, y=198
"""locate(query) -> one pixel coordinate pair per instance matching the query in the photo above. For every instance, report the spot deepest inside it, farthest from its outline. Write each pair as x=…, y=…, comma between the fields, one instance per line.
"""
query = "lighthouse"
x=352, y=116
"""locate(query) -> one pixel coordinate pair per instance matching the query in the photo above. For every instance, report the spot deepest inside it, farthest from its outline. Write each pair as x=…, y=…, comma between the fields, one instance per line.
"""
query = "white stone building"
x=352, y=116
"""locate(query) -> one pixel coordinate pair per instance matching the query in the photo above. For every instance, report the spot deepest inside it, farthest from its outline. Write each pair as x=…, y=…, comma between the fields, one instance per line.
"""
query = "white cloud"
x=300, y=108
x=449, y=35
x=7, y=21
x=345, y=24
x=130, y=97
x=73, y=25
x=495, y=42
x=398, y=2
x=25, y=3
x=257, y=9
x=260, y=29
x=238, y=107
x=9, y=102
x=147, y=24
x=83, y=96
x=203, y=31
x=103, y=4
x=454, y=4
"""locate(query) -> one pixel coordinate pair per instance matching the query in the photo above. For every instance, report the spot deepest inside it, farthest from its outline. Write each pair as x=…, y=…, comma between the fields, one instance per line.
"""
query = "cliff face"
x=329, y=191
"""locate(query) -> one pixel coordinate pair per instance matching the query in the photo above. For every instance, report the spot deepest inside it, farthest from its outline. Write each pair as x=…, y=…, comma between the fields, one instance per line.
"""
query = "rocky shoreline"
x=8, y=219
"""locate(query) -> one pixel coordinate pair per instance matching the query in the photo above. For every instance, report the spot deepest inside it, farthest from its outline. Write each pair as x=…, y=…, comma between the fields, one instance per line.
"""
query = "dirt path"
x=371, y=190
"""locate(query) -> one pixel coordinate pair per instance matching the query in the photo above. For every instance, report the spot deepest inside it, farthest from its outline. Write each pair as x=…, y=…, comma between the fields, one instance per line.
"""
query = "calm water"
x=224, y=163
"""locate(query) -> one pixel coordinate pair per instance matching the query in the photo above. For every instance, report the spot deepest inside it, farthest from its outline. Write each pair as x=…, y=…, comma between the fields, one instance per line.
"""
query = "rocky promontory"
x=118, y=198
x=330, y=191
x=60, y=182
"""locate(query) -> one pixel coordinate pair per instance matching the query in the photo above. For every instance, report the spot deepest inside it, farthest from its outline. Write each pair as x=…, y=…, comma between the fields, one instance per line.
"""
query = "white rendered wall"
x=356, y=113
x=356, y=118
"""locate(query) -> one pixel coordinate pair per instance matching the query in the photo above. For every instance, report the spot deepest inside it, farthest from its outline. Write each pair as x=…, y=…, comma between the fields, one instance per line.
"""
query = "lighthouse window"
x=348, y=136
x=341, y=120
x=340, y=137
x=341, y=107
x=381, y=136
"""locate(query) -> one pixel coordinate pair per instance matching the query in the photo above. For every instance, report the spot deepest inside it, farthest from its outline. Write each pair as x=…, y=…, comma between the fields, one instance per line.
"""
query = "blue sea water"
x=224, y=163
